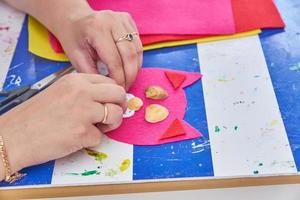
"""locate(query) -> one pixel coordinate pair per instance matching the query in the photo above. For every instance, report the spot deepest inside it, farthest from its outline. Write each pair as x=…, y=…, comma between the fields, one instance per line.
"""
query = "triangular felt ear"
x=174, y=130
x=175, y=78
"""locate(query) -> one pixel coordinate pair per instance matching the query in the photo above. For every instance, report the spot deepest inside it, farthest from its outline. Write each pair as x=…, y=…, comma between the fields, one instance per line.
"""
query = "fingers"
x=131, y=27
x=123, y=58
x=83, y=62
x=109, y=93
x=104, y=128
x=112, y=115
x=127, y=51
x=96, y=78
x=108, y=53
x=93, y=137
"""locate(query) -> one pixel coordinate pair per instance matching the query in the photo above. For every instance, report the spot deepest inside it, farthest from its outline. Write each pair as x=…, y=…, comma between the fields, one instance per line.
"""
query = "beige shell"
x=156, y=113
x=156, y=92
x=135, y=103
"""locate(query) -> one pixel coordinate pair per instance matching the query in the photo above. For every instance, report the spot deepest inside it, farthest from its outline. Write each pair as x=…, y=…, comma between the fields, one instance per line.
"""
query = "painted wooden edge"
x=70, y=191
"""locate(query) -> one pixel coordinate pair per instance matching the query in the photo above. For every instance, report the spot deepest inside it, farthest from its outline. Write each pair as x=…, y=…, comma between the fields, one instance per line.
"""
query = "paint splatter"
x=295, y=67
x=238, y=102
x=99, y=156
x=236, y=128
x=86, y=173
x=111, y=172
x=217, y=129
x=255, y=172
x=4, y=28
x=256, y=76
x=274, y=122
x=224, y=80
x=124, y=165
x=260, y=164
x=89, y=173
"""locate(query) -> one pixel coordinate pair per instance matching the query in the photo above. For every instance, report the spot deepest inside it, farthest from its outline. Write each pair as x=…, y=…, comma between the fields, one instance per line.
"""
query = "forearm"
x=53, y=13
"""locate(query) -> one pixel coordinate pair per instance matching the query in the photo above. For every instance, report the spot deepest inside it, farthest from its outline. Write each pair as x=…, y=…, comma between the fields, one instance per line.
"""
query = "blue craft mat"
x=282, y=54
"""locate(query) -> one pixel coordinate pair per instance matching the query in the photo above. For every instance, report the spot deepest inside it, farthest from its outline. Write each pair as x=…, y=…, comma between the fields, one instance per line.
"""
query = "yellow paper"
x=39, y=42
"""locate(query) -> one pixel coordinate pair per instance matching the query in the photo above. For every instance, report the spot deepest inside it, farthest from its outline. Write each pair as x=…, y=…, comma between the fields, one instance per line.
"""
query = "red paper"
x=175, y=78
x=135, y=130
x=174, y=130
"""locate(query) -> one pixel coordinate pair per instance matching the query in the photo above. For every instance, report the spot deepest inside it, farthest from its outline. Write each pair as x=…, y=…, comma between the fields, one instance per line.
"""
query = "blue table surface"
x=282, y=53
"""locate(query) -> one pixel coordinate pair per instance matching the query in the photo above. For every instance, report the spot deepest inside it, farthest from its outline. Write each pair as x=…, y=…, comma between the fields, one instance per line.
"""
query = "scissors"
x=17, y=96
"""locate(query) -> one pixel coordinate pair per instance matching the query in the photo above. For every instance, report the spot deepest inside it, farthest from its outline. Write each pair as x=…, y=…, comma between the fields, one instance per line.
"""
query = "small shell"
x=156, y=113
x=135, y=104
x=156, y=92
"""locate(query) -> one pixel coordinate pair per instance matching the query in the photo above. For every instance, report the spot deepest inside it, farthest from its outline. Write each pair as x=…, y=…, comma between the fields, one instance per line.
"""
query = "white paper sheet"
x=69, y=170
x=247, y=134
x=10, y=27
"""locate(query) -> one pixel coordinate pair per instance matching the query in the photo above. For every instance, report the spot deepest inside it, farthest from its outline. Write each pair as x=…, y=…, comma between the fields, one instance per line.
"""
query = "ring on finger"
x=105, y=114
x=127, y=37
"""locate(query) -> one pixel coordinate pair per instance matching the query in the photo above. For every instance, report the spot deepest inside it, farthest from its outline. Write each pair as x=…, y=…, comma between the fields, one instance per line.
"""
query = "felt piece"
x=174, y=130
x=199, y=40
x=248, y=15
x=151, y=39
x=48, y=53
x=55, y=44
x=175, y=78
x=39, y=42
x=135, y=130
x=256, y=14
x=175, y=17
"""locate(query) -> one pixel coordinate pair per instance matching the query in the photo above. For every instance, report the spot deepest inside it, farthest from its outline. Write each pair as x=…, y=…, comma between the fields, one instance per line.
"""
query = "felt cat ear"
x=175, y=129
x=175, y=78
x=181, y=79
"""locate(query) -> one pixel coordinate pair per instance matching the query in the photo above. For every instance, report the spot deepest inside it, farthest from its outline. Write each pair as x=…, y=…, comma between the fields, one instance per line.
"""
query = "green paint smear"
x=217, y=129
x=255, y=172
x=73, y=174
x=295, y=67
x=260, y=164
x=111, y=172
x=99, y=156
x=89, y=173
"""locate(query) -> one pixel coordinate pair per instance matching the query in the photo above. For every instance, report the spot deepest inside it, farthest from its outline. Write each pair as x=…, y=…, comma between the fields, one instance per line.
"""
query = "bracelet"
x=10, y=178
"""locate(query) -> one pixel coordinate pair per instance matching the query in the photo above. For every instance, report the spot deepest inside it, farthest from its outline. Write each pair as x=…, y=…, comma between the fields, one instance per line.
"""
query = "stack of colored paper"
x=164, y=23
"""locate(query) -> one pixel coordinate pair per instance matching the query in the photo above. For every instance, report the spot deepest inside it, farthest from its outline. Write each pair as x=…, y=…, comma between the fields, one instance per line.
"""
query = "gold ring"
x=105, y=114
x=128, y=37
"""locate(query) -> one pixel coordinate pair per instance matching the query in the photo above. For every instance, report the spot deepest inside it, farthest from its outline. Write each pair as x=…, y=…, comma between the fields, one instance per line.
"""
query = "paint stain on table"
x=99, y=156
x=85, y=173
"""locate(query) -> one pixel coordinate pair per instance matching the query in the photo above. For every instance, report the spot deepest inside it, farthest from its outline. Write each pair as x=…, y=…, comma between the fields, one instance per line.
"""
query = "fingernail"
x=102, y=68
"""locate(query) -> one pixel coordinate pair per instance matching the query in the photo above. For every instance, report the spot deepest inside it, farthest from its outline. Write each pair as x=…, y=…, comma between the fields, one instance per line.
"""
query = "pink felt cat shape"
x=136, y=130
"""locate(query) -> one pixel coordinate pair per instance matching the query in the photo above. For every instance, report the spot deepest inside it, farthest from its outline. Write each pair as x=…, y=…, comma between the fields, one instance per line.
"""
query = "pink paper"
x=175, y=17
x=135, y=130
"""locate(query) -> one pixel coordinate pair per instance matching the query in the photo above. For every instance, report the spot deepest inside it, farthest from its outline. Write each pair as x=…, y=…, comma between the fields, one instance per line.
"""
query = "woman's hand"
x=88, y=36
x=62, y=119
x=93, y=37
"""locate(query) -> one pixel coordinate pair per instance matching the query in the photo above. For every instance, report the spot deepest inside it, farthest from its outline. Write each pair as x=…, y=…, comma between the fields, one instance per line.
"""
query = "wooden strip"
x=146, y=187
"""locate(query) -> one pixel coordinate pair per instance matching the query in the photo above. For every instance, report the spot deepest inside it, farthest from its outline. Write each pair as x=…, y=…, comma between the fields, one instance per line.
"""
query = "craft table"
x=247, y=106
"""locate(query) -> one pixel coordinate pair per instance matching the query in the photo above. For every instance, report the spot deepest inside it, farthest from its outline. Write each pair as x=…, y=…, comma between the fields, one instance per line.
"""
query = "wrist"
x=65, y=18
x=12, y=149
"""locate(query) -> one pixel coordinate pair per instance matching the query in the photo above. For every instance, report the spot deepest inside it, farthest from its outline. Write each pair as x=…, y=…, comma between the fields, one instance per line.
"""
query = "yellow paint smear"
x=125, y=165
